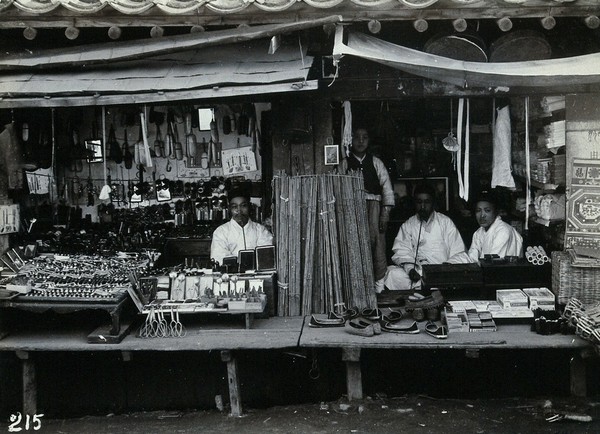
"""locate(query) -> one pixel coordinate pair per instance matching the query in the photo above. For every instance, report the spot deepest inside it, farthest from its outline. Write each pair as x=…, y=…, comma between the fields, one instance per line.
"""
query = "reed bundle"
x=323, y=248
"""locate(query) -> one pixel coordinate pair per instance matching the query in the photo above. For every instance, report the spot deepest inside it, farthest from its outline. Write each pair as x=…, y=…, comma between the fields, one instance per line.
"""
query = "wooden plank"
x=161, y=97
x=235, y=398
x=507, y=337
x=268, y=333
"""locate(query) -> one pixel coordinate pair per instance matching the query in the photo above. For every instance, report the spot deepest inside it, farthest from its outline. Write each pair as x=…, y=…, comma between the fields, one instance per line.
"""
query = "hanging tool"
x=177, y=146
x=169, y=140
x=190, y=138
x=90, y=187
x=127, y=156
x=159, y=145
x=138, y=149
x=115, y=150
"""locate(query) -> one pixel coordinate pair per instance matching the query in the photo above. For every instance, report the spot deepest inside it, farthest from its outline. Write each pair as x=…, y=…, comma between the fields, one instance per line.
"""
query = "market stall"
x=121, y=171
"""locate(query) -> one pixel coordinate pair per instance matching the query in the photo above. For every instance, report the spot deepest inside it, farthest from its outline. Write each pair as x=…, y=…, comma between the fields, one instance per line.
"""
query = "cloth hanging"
x=347, y=134
x=501, y=171
x=11, y=160
x=39, y=181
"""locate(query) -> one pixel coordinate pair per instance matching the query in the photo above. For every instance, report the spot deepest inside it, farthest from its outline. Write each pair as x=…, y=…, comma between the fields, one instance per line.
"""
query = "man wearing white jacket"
x=240, y=232
x=428, y=237
x=494, y=237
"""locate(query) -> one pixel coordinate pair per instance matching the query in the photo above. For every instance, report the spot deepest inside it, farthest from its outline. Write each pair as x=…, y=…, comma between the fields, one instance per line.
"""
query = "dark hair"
x=423, y=188
x=487, y=197
x=238, y=192
x=359, y=126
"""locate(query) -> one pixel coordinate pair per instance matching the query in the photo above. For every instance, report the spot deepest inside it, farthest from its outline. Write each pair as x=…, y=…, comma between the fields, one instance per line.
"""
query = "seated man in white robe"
x=494, y=236
x=240, y=232
x=428, y=237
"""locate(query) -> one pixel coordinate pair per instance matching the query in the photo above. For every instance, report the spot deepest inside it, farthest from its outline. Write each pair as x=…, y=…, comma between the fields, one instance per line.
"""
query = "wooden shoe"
x=397, y=328
x=326, y=322
x=376, y=325
x=355, y=327
x=438, y=332
x=392, y=316
x=371, y=314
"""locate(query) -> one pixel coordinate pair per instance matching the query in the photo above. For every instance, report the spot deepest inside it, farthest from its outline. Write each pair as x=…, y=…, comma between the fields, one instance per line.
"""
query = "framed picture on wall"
x=332, y=155
x=404, y=188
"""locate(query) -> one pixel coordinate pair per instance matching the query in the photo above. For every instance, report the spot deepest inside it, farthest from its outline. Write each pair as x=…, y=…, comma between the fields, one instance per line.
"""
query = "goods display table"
x=114, y=307
x=506, y=338
x=266, y=334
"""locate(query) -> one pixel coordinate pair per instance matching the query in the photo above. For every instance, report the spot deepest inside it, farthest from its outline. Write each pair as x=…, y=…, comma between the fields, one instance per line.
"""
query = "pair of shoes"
x=397, y=328
x=392, y=316
x=438, y=332
x=346, y=314
x=371, y=314
x=365, y=321
x=359, y=327
x=326, y=322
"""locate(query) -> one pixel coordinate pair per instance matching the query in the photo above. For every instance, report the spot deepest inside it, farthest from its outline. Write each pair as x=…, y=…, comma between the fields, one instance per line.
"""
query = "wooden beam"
x=548, y=22
x=29, y=33
x=157, y=97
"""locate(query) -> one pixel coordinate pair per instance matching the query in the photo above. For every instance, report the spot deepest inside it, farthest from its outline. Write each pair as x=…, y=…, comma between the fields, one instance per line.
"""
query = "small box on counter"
x=511, y=298
x=541, y=298
x=456, y=321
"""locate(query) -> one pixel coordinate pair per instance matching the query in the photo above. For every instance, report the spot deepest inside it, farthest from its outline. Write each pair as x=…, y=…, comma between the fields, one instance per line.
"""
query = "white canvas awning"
x=213, y=71
x=559, y=73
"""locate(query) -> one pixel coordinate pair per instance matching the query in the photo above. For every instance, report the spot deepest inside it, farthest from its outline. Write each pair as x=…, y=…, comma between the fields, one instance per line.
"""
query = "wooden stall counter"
x=268, y=333
x=507, y=337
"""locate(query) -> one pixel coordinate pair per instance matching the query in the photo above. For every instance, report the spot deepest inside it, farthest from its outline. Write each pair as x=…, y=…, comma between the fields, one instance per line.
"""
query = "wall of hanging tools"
x=99, y=164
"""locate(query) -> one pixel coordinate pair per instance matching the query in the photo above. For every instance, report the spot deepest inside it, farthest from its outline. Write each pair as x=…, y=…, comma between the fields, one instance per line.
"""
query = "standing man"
x=379, y=195
x=240, y=232
x=428, y=237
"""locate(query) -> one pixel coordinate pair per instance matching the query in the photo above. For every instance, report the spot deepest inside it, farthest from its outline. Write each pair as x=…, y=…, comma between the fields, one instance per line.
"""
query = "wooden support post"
x=578, y=376
x=29, y=383
x=234, y=383
x=249, y=320
x=353, y=373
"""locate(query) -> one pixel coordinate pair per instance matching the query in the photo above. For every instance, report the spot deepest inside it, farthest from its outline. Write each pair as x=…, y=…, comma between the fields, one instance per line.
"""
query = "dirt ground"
x=418, y=414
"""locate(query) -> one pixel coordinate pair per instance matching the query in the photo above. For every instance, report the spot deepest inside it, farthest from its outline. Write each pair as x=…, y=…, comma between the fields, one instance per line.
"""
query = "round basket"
x=520, y=45
x=467, y=47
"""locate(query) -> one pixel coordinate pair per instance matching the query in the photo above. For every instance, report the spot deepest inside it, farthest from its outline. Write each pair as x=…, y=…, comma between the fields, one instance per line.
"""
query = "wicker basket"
x=577, y=282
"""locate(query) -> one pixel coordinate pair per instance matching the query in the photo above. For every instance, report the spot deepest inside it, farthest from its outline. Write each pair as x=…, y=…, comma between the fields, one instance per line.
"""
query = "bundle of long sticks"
x=323, y=249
